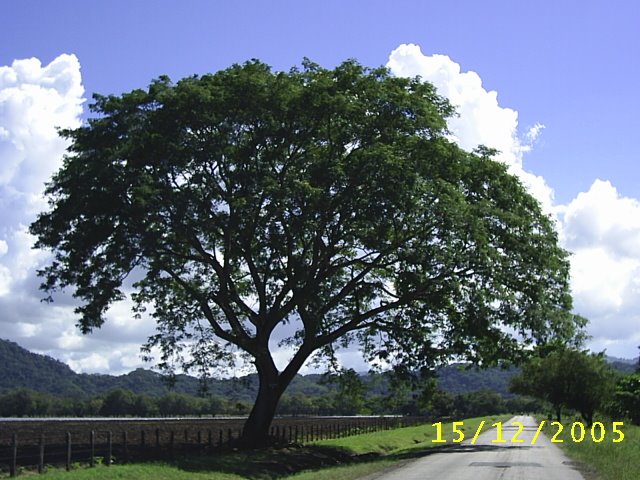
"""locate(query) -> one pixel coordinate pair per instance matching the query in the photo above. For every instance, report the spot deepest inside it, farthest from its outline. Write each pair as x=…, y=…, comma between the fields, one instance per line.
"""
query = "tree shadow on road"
x=281, y=462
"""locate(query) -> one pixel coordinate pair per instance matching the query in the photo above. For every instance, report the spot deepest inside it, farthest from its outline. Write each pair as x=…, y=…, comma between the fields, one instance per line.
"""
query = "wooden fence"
x=24, y=446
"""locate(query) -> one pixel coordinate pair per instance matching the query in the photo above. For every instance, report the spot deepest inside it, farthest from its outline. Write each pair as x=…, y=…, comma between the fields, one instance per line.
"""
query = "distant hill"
x=460, y=379
x=623, y=365
x=23, y=369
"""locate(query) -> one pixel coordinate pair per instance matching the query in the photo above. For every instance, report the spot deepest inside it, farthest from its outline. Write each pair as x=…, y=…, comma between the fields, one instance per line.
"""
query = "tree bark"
x=559, y=414
x=588, y=417
x=255, y=432
x=272, y=385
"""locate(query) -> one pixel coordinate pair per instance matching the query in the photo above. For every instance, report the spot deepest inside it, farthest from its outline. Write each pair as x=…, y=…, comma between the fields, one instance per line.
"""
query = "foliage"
x=477, y=404
x=118, y=402
x=567, y=378
x=626, y=398
x=348, y=392
x=441, y=404
x=329, y=201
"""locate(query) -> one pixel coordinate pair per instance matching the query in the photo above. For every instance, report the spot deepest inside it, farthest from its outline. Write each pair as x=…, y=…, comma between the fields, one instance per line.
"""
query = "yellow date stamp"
x=515, y=431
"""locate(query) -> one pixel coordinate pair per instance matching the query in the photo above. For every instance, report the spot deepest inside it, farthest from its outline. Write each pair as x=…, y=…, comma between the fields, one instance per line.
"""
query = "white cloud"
x=533, y=133
x=601, y=216
x=480, y=120
x=92, y=363
x=36, y=100
x=600, y=227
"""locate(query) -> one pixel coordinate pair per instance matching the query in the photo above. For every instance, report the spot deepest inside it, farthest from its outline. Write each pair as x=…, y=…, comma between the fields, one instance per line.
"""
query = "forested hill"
x=623, y=365
x=23, y=369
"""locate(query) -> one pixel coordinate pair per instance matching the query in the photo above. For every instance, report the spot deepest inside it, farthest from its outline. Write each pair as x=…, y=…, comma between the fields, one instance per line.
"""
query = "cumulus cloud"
x=480, y=119
x=601, y=216
x=36, y=100
x=599, y=227
x=602, y=229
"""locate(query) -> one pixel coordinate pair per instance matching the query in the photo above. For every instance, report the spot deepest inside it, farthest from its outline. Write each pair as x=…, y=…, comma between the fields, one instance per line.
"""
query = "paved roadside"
x=486, y=460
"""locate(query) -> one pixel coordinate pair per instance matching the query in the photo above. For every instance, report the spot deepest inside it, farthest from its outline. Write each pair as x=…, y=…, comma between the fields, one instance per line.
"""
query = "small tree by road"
x=568, y=378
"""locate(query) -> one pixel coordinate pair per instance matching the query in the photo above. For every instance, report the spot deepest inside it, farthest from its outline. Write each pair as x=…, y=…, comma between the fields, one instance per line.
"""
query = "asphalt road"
x=486, y=460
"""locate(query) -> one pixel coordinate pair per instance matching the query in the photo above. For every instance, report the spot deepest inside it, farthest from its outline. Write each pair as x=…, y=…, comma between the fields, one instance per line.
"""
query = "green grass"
x=403, y=440
x=605, y=459
x=339, y=459
x=162, y=471
x=612, y=461
x=149, y=471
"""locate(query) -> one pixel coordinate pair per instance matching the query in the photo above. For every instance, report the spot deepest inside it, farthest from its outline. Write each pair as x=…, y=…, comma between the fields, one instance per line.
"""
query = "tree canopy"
x=317, y=207
x=567, y=377
x=626, y=398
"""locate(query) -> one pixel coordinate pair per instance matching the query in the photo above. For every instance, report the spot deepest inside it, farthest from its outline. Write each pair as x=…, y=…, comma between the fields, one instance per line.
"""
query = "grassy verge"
x=339, y=459
x=606, y=460
x=403, y=440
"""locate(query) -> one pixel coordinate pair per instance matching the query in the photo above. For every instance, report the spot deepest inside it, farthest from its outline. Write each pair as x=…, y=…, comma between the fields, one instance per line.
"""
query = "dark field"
x=185, y=430
x=58, y=441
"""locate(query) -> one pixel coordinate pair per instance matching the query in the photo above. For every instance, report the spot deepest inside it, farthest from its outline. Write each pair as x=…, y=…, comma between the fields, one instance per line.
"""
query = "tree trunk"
x=588, y=417
x=272, y=385
x=256, y=429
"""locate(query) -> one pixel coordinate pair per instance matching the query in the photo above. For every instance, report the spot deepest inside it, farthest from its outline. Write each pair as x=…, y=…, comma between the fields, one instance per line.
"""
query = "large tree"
x=319, y=207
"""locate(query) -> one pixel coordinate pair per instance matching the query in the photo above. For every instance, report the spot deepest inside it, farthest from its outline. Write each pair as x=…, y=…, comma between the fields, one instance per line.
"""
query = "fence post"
x=68, y=441
x=220, y=440
x=92, y=448
x=230, y=436
x=210, y=440
x=157, y=438
x=13, y=468
x=142, y=438
x=41, y=456
x=125, y=448
x=172, y=442
x=109, y=447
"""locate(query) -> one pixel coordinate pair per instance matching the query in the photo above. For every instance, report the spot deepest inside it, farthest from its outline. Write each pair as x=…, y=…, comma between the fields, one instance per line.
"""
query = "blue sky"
x=571, y=66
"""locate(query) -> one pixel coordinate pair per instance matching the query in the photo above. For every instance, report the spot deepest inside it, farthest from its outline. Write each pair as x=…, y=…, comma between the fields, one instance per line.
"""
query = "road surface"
x=488, y=461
